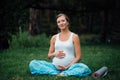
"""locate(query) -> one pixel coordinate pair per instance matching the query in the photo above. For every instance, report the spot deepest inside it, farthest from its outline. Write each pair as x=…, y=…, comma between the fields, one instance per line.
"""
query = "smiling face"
x=62, y=22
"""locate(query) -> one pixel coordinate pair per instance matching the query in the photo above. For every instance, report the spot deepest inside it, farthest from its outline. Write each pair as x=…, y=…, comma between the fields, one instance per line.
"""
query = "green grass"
x=14, y=62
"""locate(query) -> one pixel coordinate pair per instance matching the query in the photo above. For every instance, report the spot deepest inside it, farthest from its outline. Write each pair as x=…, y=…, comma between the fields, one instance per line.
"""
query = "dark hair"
x=61, y=14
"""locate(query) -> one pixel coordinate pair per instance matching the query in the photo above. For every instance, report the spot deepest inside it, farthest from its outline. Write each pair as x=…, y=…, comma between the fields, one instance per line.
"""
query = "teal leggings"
x=43, y=67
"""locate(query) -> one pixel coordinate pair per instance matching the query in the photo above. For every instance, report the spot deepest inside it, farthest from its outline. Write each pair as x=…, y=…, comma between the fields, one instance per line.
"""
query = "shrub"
x=25, y=40
x=90, y=39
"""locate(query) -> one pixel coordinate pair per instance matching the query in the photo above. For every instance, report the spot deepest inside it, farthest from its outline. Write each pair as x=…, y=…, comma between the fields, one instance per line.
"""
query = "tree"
x=12, y=16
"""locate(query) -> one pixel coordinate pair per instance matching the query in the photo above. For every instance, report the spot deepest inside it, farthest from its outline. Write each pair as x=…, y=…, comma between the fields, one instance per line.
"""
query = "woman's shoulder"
x=75, y=36
x=54, y=37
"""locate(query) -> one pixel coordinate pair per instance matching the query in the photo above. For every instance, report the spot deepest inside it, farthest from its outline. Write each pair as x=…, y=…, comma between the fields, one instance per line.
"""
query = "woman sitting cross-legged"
x=65, y=53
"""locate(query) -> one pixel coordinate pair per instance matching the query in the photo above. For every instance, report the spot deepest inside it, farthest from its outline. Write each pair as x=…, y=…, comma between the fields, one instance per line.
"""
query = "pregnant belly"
x=64, y=61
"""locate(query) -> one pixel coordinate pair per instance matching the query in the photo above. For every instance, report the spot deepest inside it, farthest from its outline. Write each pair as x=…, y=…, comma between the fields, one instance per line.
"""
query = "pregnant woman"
x=65, y=53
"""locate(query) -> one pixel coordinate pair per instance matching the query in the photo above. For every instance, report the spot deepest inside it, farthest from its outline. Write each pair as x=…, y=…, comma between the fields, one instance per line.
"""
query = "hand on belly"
x=60, y=54
x=62, y=63
x=62, y=67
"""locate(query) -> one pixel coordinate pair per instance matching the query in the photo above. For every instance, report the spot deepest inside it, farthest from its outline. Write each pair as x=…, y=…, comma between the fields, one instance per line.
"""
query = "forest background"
x=95, y=21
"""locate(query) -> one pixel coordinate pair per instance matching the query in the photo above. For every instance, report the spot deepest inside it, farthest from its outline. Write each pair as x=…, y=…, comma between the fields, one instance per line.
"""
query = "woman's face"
x=62, y=22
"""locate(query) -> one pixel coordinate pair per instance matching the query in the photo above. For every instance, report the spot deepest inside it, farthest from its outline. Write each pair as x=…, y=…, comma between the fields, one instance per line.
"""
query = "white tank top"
x=67, y=47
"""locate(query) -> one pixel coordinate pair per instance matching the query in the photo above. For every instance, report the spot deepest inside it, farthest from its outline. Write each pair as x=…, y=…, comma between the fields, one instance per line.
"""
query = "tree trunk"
x=35, y=21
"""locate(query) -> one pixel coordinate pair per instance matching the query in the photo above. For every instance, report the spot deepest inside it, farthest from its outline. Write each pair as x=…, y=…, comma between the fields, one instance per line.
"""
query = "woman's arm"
x=52, y=53
x=76, y=42
x=51, y=48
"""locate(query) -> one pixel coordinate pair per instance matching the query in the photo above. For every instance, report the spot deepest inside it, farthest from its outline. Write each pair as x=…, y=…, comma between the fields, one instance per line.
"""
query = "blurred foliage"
x=25, y=40
x=90, y=39
x=99, y=17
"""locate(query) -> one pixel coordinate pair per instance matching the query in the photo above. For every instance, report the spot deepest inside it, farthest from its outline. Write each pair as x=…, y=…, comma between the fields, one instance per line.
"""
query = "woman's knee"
x=32, y=62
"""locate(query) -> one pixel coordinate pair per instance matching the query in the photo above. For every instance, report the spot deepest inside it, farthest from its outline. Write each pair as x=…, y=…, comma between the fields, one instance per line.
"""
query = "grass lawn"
x=14, y=62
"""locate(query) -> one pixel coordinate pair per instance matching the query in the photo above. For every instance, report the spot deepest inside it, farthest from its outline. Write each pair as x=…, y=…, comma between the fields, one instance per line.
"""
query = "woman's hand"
x=61, y=67
x=59, y=54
